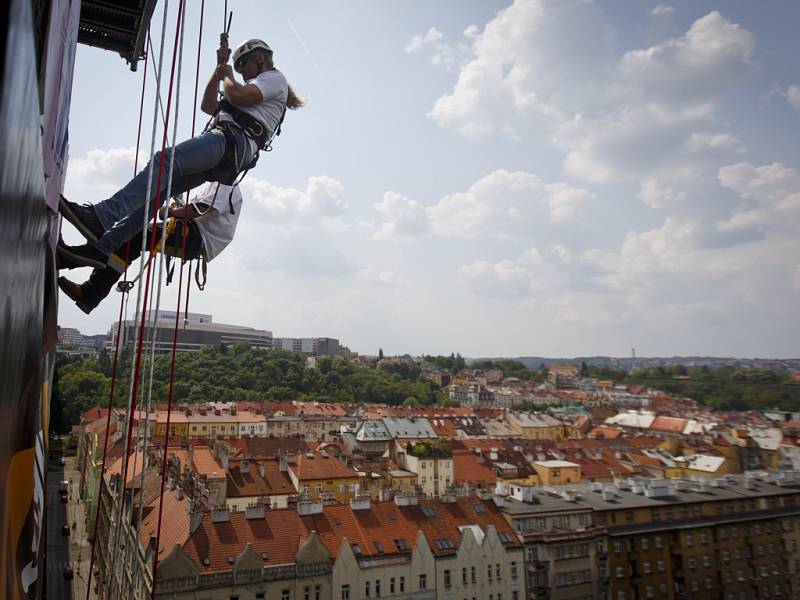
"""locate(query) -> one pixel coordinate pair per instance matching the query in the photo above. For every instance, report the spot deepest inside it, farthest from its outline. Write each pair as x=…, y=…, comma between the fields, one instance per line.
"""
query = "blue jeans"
x=122, y=214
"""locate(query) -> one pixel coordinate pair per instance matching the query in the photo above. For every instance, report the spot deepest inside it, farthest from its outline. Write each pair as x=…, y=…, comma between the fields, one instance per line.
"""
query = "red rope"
x=175, y=332
x=156, y=204
x=194, y=116
x=99, y=502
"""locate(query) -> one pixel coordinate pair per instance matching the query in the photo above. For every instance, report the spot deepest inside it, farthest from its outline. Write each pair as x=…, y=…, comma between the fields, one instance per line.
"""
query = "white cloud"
x=322, y=198
x=381, y=277
x=505, y=278
x=418, y=41
x=500, y=205
x=655, y=194
x=662, y=9
x=403, y=218
x=793, y=96
x=710, y=56
x=443, y=54
x=100, y=173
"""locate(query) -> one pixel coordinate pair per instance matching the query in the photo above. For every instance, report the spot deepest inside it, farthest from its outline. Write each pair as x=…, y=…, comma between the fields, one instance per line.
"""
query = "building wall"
x=434, y=475
x=347, y=571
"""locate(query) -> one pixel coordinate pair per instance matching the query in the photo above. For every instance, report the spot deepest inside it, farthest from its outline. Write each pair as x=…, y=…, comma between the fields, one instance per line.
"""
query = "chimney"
x=225, y=462
x=260, y=468
x=245, y=465
x=283, y=463
x=360, y=502
x=179, y=493
x=220, y=515
x=195, y=515
x=254, y=511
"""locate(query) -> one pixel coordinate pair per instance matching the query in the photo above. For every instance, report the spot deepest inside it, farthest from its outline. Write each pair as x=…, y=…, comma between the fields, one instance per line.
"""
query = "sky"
x=536, y=177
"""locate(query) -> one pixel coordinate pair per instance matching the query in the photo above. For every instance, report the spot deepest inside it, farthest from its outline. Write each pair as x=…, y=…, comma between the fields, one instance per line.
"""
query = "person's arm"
x=190, y=211
x=235, y=92
x=210, y=103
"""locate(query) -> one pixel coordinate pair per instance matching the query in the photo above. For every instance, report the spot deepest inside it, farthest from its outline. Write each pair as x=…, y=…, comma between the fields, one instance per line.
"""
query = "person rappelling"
x=244, y=121
x=210, y=227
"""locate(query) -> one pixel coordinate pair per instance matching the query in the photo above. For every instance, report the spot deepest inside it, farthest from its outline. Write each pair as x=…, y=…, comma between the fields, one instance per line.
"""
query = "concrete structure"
x=195, y=333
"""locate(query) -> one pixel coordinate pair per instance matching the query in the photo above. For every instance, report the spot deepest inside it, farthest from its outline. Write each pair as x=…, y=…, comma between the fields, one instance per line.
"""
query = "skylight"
x=402, y=544
x=428, y=511
x=444, y=544
x=479, y=508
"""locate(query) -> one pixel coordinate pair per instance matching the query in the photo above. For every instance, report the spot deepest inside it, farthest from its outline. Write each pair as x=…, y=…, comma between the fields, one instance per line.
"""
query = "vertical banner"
x=25, y=366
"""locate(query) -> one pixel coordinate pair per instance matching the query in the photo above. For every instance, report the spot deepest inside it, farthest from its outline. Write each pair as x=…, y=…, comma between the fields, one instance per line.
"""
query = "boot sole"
x=76, y=221
x=78, y=302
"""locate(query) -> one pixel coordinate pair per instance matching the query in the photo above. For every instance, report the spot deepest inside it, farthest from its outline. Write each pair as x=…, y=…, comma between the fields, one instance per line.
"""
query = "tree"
x=411, y=401
x=380, y=353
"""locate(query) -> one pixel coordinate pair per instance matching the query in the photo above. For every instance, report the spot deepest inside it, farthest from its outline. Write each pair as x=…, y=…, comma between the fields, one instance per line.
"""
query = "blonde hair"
x=293, y=101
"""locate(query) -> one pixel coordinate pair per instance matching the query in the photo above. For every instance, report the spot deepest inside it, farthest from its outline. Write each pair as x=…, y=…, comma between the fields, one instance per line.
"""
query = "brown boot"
x=76, y=294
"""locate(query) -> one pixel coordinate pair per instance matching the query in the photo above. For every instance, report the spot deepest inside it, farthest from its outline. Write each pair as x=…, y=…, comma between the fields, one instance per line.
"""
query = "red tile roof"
x=467, y=469
x=243, y=483
x=311, y=466
x=668, y=424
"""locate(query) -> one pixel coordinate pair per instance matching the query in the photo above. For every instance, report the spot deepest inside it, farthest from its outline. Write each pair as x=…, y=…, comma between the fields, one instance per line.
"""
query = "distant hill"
x=628, y=363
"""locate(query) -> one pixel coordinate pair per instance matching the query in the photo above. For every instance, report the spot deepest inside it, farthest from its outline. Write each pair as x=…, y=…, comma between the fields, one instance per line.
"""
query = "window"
x=286, y=594
x=479, y=508
x=447, y=582
x=317, y=592
x=473, y=574
x=709, y=583
x=444, y=544
x=378, y=547
x=307, y=593
x=688, y=539
x=620, y=572
x=647, y=567
x=391, y=585
x=345, y=592
x=504, y=537
x=366, y=589
x=377, y=588
x=402, y=584
x=356, y=549
x=703, y=538
x=691, y=562
x=645, y=543
x=513, y=570
x=402, y=544
x=706, y=561
x=497, y=572
x=661, y=566
x=428, y=512
x=649, y=591
x=423, y=582
x=617, y=547
x=515, y=595
x=464, y=575
x=694, y=585
x=489, y=572
x=620, y=595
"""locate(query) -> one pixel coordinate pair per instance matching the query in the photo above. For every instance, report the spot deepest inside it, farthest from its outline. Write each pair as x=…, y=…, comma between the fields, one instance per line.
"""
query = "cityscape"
x=391, y=300
x=564, y=481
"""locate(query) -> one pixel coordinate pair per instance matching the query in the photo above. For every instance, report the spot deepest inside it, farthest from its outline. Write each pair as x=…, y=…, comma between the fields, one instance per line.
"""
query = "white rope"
x=158, y=294
x=128, y=416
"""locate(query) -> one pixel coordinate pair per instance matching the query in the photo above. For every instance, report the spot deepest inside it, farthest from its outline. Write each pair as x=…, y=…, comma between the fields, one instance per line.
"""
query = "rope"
x=99, y=502
x=137, y=363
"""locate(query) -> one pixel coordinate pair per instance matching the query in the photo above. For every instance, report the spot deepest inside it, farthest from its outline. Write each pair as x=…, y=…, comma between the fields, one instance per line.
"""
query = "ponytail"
x=293, y=101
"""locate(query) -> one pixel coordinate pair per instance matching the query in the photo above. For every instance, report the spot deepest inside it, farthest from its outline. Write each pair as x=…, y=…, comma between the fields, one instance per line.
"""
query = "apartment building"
x=393, y=549
x=732, y=537
x=536, y=426
x=565, y=548
x=318, y=475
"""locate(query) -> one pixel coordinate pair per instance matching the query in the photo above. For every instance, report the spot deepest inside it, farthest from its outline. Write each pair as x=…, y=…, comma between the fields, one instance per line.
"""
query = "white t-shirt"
x=274, y=94
x=218, y=225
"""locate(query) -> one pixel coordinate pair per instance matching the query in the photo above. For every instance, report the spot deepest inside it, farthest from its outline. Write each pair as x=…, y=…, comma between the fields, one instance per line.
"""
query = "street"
x=73, y=550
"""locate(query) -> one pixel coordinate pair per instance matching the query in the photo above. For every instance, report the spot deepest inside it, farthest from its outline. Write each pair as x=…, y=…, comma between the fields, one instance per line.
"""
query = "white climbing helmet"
x=248, y=46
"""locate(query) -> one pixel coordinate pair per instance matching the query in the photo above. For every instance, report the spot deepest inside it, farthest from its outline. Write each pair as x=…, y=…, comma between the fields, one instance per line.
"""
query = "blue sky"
x=539, y=177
